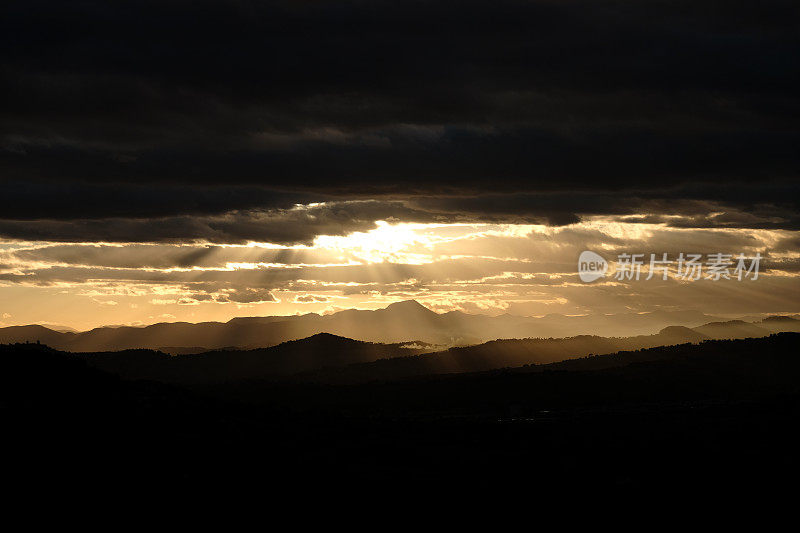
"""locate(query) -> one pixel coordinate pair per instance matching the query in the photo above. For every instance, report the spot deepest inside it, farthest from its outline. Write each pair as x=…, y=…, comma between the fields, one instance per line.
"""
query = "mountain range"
x=399, y=322
x=511, y=353
x=324, y=357
x=318, y=352
x=592, y=423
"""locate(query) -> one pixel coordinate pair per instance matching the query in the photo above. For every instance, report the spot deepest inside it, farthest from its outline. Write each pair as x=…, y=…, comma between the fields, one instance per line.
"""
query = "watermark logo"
x=591, y=266
x=684, y=267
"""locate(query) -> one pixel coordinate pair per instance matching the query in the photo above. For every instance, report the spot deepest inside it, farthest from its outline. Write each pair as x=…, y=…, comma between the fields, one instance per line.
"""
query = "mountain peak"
x=780, y=318
x=321, y=340
x=675, y=329
x=682, y=334
x=408, y=306
x=325, y=336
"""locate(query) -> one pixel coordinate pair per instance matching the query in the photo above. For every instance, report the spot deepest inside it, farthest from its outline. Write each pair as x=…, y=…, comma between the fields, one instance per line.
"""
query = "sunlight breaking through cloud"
x=488, y=268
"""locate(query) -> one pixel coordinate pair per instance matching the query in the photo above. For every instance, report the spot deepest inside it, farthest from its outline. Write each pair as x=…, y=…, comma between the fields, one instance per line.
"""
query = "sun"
x=386, y=243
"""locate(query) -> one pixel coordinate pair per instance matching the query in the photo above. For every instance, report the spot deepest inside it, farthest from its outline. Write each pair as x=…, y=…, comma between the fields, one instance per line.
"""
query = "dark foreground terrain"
x=719, y=416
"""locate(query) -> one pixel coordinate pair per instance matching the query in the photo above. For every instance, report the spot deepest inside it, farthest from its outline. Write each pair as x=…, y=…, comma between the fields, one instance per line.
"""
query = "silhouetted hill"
x=183, y=350
x=328, y=357
x=719, y=416
x=680, y=335
x=32, y=334
x=316, y=352
x=33, y=370
x=732, y=329
x=504, y=353
x=777, y=324
x=398, y=322
x=66, y=386
x=712, y=371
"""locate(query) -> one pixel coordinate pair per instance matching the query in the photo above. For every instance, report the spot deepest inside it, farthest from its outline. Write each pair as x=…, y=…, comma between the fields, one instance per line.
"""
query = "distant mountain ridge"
x=399, y=322
x=504, y=353
x=291, y=357
x=325, y=357
x=511, y=353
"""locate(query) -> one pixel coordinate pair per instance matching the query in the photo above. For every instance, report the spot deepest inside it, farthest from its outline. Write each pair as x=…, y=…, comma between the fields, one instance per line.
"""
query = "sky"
x=203, y=160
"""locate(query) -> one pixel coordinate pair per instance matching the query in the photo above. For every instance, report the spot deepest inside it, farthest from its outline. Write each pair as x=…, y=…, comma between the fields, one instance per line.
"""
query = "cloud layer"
x=529, y=270
x=167, y=110
x=199, y=160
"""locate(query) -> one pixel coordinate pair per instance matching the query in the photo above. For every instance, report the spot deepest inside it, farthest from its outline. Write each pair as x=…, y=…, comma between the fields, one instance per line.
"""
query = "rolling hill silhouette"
x=778, y=324
x=509, y=353
x=662, y=420
x=732, y=329
x=36, y=375
x=328, y=357
x=399, y=322
x=316, y=352
x=505, y=353
x=331, y=358
x=715, y=370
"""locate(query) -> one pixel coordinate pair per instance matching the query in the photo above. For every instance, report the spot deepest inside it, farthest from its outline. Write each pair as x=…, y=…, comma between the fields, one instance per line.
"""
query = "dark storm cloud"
x=735, y=206
x=160, y=256
x=288, y=226
x=75, y=200
x=301, y=224
x=178, y=111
